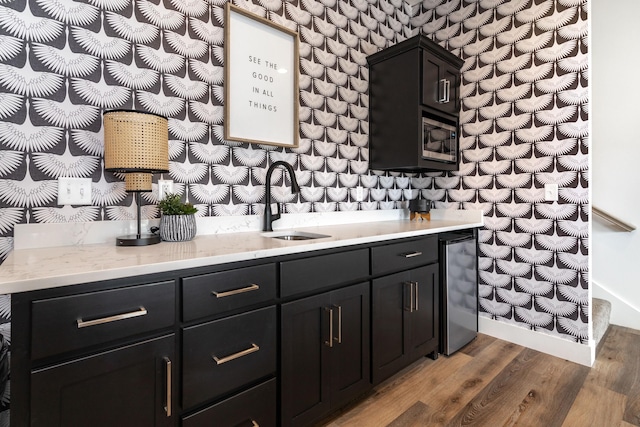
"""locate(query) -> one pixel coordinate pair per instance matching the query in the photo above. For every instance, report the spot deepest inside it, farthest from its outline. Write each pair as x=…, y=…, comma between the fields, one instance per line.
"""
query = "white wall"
x=615, y=153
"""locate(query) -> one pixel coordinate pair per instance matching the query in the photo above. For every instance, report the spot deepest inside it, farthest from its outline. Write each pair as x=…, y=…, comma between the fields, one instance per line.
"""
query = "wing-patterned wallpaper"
x=524, y=123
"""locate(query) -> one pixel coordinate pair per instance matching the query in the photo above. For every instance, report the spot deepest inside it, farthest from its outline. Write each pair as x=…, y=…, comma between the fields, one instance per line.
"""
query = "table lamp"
x=136, y=144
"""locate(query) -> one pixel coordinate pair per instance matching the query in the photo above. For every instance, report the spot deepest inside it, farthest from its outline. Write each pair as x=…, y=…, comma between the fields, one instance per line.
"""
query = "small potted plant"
x=177, y=219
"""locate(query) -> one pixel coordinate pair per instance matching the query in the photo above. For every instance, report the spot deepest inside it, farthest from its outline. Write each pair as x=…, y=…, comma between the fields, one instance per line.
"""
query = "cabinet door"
x=129, y=386
x=390, y=309
x=350, y=361
x=424, y=323
x=305, y=365
x=440, y=85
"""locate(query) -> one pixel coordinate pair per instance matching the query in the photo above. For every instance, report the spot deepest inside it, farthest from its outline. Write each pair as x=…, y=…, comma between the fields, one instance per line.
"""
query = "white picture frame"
x=261, y=80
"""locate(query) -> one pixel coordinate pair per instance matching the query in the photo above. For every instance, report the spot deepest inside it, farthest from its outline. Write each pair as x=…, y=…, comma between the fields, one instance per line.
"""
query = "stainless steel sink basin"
x=294, y=235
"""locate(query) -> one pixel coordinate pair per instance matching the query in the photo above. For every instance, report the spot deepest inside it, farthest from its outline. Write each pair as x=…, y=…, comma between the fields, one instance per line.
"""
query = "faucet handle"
x=275, y=216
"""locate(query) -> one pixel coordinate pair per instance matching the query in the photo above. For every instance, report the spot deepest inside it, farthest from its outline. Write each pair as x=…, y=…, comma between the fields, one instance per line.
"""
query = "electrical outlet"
x=165, y=186
x=551, y=192
x=359, y=194
x=74, y=191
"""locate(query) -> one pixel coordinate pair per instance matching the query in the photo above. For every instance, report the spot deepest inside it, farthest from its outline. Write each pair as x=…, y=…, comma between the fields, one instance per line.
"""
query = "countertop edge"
x=60, y=280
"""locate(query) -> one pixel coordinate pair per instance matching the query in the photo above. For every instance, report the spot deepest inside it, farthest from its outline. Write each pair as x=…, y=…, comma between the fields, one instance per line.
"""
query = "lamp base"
x=138, y=240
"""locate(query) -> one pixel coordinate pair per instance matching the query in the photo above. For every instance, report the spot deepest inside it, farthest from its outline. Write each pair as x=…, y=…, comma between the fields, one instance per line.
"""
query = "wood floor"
x=495, y=383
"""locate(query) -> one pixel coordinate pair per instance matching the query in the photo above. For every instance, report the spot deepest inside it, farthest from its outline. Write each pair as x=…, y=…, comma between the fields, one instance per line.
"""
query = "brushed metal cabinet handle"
x=86, y=323
x=234, y=356
x=330, y=341
x=252, y=287
x=416, y=295
x=412, y=254
x=445, y=84
x=408, y=308
x=441, y=91
x=167, y=407
x=339, y=339
x=447, y=89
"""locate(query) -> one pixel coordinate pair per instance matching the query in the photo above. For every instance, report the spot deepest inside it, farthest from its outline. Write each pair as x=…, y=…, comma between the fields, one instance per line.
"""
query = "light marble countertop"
x=50, y=267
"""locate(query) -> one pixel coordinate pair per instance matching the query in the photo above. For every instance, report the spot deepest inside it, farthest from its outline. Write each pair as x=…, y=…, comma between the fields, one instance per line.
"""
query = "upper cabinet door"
x=440, y=85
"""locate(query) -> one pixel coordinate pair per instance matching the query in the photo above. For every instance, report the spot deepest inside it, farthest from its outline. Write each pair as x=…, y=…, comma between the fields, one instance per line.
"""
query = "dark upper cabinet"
x=411, y=81
x=440, y=84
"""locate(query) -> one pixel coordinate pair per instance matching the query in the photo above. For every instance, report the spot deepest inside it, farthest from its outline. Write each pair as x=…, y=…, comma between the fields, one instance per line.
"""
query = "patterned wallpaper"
x=524, y=123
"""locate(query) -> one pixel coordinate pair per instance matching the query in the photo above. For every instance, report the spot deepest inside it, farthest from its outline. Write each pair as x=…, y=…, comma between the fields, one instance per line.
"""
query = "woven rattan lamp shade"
x=136, y=143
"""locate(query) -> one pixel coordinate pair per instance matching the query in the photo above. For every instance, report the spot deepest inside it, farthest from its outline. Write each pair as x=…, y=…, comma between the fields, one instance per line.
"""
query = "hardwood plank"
x=449, y=397
x=618, y=364
x=412, y=416
x=477, y=345
x=596, y=406
x=617, y=368
x=394, y=396
x=524, y=387
x=632, y=410
x=502, y=397
x=551, y=395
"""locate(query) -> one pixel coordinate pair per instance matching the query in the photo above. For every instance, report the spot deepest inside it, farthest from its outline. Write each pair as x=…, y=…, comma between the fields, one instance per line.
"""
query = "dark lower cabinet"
x=404, y=319
x=132, y=386
x=325, y=353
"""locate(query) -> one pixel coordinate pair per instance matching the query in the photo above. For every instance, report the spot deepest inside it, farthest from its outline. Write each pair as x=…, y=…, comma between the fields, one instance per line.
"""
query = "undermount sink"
x=294, y=235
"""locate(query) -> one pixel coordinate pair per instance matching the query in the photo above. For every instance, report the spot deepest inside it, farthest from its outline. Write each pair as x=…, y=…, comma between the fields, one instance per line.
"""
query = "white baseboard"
x=569, y=350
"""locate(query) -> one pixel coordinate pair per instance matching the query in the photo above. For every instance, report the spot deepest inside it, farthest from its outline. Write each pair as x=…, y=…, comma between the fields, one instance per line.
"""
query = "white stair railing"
x=611, y=219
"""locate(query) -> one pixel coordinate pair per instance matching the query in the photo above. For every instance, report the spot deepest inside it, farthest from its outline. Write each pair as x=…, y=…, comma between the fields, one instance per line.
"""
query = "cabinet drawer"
x=73, y=322
x=315, y=273
x=404, y=255
x=222, y=356
x=256, y=406
x=214, y=293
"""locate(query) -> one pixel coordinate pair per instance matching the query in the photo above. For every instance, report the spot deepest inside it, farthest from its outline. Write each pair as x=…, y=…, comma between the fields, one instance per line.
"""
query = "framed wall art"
x=261, y=80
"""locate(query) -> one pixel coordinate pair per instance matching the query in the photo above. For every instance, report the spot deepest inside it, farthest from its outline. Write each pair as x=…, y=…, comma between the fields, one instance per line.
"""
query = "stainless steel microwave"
x=439, y=141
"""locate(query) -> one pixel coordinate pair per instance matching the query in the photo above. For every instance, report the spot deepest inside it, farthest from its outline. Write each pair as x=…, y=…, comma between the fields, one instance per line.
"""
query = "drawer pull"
x=250, y=288
x=167, y=408
x=412, y=254
x=221, y=360
x=86, y=323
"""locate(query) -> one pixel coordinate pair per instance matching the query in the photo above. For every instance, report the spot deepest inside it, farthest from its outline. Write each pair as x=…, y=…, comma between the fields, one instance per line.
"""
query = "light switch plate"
x=74, y=191
x=551, y=192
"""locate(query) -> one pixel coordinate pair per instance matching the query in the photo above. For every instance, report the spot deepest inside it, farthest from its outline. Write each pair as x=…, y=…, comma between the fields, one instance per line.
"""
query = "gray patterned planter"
x=177, y=228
